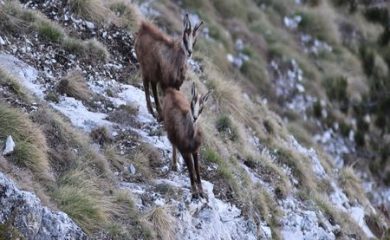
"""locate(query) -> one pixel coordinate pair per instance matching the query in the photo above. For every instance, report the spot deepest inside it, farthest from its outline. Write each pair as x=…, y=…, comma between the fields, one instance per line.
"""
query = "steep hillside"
x=295, y=131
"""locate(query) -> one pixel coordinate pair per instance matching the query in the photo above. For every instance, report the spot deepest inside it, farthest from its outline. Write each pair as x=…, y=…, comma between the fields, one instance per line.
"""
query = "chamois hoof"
x=203, y=195
x=195, y=197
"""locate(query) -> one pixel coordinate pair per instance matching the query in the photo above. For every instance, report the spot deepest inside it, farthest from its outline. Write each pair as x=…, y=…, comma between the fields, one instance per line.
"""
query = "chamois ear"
x=193, y=89
x=206, y=97
x=187, y=23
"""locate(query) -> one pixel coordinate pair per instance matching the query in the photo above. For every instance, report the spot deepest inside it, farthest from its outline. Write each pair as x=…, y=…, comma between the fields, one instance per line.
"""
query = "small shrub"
x=373, y=65
x=345, y=129
x=362, y=125
x=101, y=136
x=211, y=156
x=336, y=90
x=269, y=127
x=317, y=109
x=359, y=138
x=225, y=126
x=52, y=97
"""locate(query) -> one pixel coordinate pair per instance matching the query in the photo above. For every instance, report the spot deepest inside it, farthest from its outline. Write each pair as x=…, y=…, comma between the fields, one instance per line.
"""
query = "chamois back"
x=149, y=29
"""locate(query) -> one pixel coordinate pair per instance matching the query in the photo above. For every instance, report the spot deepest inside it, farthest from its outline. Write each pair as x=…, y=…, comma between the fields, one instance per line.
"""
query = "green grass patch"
x=31, y=148
x=50, y=31
x=79, y=196
x=225, y=126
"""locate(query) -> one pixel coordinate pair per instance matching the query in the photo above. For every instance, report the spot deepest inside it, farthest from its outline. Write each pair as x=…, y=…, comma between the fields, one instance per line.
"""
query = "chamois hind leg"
x=174, y=162
x=156, y=101
x=197, y=170
x=188, y=159
x=147, y=96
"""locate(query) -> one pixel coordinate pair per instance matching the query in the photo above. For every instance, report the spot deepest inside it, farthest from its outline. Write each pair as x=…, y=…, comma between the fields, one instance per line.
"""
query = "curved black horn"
x=198, y=26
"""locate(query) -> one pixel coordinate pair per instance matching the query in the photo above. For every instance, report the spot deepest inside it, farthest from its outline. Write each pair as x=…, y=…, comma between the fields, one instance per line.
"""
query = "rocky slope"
x=292, y=192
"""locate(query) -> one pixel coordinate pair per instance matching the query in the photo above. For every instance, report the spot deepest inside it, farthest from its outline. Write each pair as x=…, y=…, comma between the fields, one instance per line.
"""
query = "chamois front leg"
x=188, y=159
x=197, y=170
x=156, y=101
x=174, y=162
x=147, y=96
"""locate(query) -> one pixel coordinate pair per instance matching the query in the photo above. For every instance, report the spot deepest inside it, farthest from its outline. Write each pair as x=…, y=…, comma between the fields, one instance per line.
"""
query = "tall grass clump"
x=93, y=10
x=31, y=147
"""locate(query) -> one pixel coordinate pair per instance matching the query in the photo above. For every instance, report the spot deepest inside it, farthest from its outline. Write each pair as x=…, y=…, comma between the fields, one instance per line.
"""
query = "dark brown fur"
x=162, y=60
x=183, y=134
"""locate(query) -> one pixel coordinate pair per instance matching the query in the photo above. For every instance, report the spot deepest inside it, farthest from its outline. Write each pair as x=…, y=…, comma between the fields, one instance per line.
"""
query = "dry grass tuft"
x=101, y=135
x=91, y=49
x=10, y=82
x=93, y=10
x=49, y=31
x=128, y=14
x=299, y=165
x=162, y=223
x=75, y=85
x=31, y=147
x=79, y=196
x=96, y=50
x=15, y=19
x=268, y=210
x=225, y=92
x=351, y=185
x=348, y=226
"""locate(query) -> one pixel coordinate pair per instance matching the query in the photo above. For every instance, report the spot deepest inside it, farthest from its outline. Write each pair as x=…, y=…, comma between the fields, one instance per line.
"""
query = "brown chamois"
x=183, y=133
x=162, y=59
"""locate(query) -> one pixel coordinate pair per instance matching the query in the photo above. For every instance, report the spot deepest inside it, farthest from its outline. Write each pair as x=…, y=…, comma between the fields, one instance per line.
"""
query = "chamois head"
x=189, y=34
x=197, y=102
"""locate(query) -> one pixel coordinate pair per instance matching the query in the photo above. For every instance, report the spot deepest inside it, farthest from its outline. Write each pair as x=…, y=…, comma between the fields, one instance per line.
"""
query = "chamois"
x=180, y=123
x=162, y=59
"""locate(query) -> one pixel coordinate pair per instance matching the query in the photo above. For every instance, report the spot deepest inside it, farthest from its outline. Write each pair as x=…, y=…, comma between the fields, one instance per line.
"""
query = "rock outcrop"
x=22, y=214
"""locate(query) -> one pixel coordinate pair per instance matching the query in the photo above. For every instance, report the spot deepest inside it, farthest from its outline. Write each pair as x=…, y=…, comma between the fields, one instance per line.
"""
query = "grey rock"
x=2, y=42
x=90, y=25
x=131, y=169
x=9, y=146
x=24, y=211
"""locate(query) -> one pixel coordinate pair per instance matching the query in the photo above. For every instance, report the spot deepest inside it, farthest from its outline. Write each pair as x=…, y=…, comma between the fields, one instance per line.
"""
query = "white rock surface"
x=23, y=72
x=24, y=211
x=9, y=146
